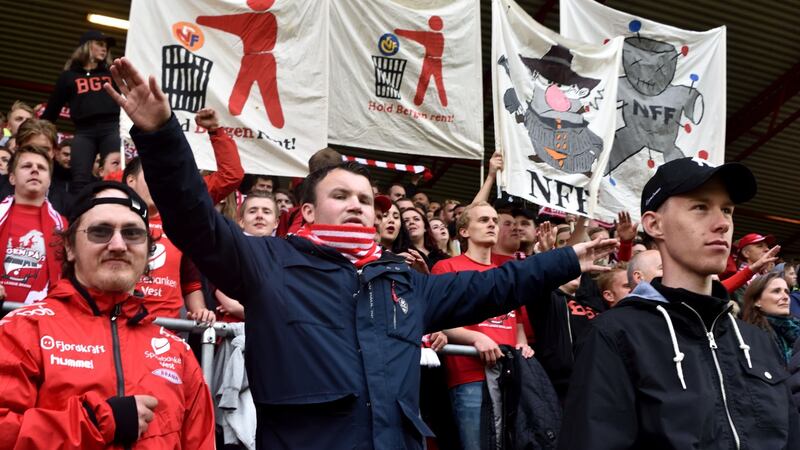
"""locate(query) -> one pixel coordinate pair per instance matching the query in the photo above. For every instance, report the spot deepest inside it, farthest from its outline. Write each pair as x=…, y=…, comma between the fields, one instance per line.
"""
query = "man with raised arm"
x=333, y=324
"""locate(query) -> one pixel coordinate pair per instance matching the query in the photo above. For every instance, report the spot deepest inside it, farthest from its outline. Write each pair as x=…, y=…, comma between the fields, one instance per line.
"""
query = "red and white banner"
x=262, y=64
x=671, y=97
x=554, y=110
x=407, y=79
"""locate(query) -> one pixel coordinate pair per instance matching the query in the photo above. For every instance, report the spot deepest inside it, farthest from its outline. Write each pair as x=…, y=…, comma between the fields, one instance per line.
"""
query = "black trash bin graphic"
x=184, y=78
x=388, y=76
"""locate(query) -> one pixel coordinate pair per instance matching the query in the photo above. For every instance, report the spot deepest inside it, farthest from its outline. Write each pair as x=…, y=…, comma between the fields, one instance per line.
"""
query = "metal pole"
x=458, y=350
x=207, y=356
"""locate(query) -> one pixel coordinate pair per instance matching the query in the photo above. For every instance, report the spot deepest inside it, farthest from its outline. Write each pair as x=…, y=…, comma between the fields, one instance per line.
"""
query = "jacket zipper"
x=712, y=343
x=117, y=356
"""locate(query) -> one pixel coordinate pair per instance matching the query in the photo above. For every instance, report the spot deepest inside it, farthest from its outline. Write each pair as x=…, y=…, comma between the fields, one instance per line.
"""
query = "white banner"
x=554, y=110
x=262, y=64
x=671, y=95
x=406, y=76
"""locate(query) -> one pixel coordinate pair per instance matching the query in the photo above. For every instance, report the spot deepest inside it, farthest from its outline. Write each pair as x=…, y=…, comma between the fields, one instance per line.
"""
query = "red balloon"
x=651, y=163
x=702, y=154
x=685, y=50
x=688, y=128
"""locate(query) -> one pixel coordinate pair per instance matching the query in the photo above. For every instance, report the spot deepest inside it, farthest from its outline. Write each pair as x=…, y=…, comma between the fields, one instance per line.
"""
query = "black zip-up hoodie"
x=89, y=104
x=672, y=369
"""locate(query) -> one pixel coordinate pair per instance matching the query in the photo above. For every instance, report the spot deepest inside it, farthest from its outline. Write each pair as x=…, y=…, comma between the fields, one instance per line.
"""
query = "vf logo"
x=188, y=35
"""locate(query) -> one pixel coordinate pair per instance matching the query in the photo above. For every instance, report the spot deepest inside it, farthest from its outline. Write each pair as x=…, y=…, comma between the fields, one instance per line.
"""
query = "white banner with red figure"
x=554, y=111
x=406, y=79
x=262, y=64
x=671, y=95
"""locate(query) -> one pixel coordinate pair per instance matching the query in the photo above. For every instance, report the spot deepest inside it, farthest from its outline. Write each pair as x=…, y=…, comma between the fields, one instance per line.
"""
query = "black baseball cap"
x=686, y=174
x=86, y=200
x=94, y=35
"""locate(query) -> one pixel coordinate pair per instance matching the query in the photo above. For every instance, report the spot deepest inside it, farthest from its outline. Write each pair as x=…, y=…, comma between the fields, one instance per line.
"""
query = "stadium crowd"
x=588, y=335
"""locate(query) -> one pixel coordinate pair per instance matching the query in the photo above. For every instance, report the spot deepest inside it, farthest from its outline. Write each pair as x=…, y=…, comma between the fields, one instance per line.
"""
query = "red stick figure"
x=258, y=31
x=433, y=41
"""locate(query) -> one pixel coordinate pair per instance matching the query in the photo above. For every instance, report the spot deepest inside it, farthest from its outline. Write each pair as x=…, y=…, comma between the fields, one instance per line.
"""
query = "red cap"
x=754, y=238
x=383, y=203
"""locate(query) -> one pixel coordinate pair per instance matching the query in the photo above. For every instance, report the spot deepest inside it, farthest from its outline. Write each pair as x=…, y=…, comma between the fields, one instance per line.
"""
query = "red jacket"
x=229, y=172
x=59, y=376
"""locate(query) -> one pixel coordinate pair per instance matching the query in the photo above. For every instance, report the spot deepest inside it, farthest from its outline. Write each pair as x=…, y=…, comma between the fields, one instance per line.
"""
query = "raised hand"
x=766, y=261
x=626, y=229
x=591, y=251
x=495, y=163
x=207, y=118
x=546, y=233
x=142, y=100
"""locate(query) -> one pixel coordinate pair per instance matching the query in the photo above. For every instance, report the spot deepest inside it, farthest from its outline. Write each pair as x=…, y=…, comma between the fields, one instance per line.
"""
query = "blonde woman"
x=94, y=113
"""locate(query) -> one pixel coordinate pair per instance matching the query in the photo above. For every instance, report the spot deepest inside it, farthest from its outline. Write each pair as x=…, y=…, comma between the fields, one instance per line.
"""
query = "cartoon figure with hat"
x=554, y=115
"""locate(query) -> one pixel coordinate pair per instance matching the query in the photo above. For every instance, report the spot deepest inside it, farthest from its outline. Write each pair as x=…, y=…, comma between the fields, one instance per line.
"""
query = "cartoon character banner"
x=671, y=95
x=260, y=63
x=554, y=110
x=406, y=76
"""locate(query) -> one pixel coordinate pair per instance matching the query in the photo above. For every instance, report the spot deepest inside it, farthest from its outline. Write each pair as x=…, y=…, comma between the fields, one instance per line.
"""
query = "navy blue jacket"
x=332, y=361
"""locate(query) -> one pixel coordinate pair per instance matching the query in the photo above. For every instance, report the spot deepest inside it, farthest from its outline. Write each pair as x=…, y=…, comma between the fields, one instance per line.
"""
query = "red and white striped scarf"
x=354, y=243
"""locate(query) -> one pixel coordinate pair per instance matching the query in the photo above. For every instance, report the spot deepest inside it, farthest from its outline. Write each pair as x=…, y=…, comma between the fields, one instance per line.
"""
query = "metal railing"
x=221, y=329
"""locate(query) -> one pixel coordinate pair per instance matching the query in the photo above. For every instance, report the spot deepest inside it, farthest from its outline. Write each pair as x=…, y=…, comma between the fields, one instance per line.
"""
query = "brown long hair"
x=750, y=312
x=81, y=56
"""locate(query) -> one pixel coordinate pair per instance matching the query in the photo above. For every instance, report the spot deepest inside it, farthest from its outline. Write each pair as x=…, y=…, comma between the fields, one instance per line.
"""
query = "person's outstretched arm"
x=465, y=298
x=229, y=172
x=495, y=164
x=216, y=245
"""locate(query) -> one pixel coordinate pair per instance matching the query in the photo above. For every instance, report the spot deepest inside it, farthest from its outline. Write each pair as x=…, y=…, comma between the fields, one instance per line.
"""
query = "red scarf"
x=354, y=243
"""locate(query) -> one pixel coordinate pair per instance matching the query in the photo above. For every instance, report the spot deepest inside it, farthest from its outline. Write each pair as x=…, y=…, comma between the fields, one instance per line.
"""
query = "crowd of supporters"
x=42, y=175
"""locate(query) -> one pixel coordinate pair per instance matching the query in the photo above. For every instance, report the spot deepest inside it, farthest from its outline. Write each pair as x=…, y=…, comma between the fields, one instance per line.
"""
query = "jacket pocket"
x=413, y=422
x=309, y=294
x=404, y=311
x=769, y=396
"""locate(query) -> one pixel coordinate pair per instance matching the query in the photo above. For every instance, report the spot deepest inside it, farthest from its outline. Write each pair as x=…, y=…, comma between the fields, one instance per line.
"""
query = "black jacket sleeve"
x=216, y=245
x=464, y=298
x=58, y=98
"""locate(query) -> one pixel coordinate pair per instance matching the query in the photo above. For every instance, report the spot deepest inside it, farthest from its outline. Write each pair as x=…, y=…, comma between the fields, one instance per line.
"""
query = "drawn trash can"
x=184, y=78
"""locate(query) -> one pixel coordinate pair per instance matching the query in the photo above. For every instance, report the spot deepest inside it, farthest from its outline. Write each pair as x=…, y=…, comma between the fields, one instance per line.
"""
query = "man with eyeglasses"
x=86, y=368
x=27, y=223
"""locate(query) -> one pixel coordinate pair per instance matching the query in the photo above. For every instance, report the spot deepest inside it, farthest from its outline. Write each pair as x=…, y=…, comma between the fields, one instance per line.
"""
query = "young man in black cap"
x=670, y=367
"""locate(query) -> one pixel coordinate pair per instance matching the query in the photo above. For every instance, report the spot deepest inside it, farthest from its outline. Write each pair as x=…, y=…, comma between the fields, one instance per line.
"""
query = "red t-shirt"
x=522, y=312
x=25, y=275
x=166, y=283
x=498, y=259
x=501, y=329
